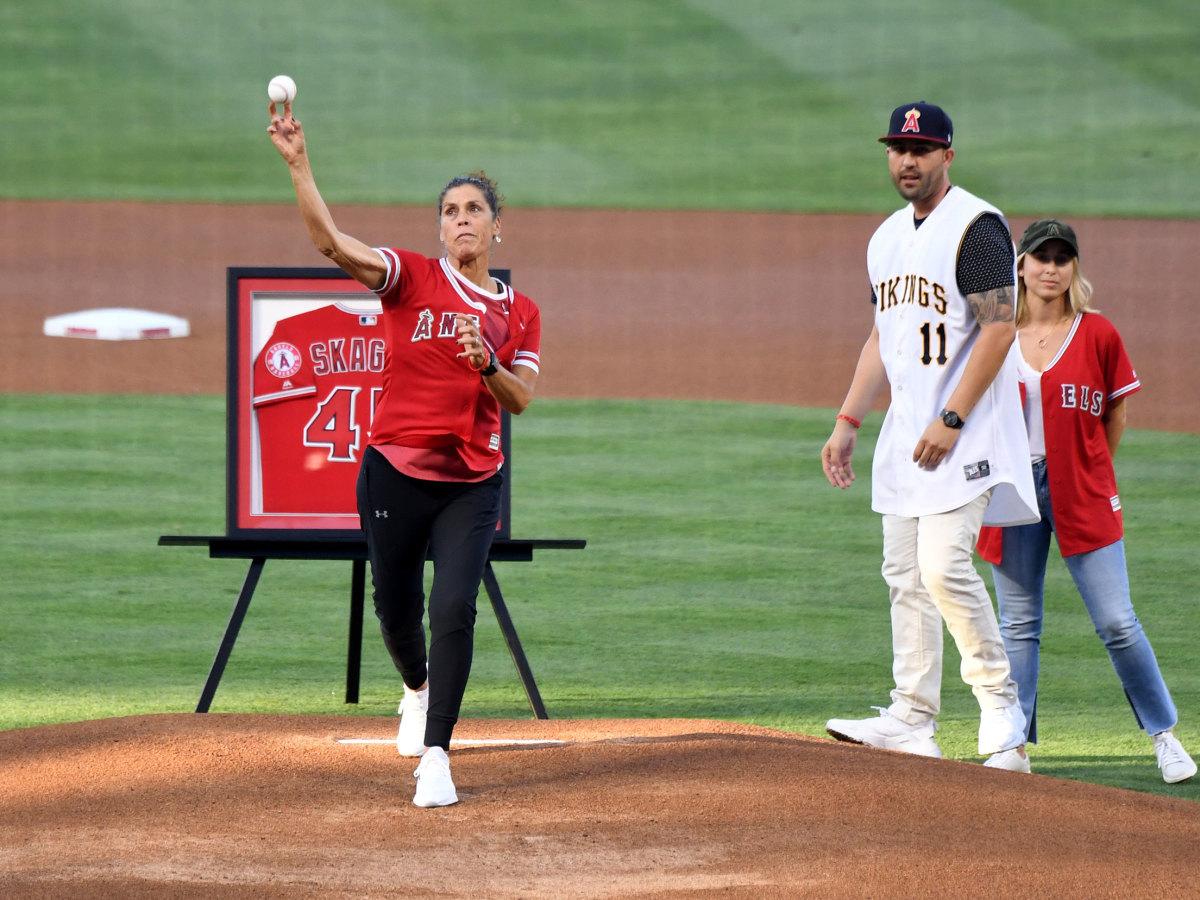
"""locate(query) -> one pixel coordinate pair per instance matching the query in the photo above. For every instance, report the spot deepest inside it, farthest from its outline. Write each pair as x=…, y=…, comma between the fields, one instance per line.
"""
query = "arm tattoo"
x=995, y=305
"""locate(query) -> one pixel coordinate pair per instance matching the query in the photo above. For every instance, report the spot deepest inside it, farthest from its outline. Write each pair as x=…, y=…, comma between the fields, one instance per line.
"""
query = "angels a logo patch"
x=283, y=360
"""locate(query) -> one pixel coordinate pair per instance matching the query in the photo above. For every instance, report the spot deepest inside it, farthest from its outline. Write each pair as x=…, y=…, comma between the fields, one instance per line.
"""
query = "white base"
x=116, y=325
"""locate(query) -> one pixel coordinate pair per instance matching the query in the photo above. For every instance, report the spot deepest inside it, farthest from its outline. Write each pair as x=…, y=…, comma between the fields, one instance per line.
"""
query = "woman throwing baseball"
x=1076, y=376
x=461, y=345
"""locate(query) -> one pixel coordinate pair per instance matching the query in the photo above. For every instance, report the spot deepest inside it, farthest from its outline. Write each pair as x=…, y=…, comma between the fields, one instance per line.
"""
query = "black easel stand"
x=259, y=551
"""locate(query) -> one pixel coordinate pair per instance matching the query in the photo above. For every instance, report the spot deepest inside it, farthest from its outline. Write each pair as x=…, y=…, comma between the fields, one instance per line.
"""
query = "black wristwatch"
x=952, y=419
x=491, y=367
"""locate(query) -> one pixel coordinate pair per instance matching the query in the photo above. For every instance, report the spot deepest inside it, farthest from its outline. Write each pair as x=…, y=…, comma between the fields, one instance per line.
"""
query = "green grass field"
x=727, y=582
x=759, y=104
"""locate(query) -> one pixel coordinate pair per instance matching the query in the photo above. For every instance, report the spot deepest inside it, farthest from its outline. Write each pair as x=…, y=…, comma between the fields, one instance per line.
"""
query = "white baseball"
x=282, y=89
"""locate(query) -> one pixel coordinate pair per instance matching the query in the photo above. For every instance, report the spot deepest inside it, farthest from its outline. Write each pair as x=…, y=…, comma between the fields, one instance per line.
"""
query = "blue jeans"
x=1103, y=583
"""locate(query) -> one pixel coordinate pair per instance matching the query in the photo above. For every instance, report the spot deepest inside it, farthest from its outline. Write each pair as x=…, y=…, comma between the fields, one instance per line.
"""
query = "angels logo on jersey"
x=424, y=329
x=282, y=359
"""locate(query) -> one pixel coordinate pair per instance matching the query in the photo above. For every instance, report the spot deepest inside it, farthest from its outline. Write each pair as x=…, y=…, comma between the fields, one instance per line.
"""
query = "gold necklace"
x=1041, y=342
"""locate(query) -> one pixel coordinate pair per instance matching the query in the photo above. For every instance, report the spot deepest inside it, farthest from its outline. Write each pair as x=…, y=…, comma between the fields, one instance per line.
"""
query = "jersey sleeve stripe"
x=392, y=261
x=1128, y=389
x=526, y=358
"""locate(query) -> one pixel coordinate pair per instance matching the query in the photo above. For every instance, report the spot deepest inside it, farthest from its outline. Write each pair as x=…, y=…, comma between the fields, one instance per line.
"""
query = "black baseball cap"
x=920, y=122
x=1047, y=230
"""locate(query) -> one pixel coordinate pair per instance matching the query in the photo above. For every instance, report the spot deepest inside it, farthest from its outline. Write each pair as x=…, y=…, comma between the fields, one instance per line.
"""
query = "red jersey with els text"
x=316, y=382
x=435, y=418
x=1089, y=372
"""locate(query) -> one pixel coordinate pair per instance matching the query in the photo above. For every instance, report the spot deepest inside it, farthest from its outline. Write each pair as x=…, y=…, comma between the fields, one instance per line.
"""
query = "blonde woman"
x=1076, y=377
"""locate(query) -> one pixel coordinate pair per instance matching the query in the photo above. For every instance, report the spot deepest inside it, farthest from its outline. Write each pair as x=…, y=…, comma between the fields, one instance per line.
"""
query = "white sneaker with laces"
x=434, y=785
x=410, y=739
x=1012, y=760
x=886, y=732
x=1001, y=729
x=1173, y=760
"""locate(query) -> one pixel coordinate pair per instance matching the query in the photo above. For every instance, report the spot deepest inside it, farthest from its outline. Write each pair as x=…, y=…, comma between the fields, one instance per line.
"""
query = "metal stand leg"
x=513, y=642
x=231, y=633
x=354, y=653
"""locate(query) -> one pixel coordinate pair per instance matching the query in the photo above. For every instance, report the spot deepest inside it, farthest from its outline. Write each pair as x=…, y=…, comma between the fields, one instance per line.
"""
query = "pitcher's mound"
x=292, y=806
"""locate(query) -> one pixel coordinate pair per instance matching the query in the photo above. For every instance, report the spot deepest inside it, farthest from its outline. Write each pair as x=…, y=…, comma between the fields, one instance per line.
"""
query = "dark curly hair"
x=479, y=179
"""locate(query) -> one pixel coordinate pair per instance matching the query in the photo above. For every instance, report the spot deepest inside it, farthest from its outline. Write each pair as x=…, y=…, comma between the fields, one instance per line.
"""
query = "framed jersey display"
x=304, y=371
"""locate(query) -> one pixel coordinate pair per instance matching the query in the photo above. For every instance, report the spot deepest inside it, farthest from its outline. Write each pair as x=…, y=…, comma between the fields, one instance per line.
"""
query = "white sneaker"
x=887, y=733
x=1001, y=729
x=434, y=785
x=1012, y=760
x=410, y=739
x=1173, y=760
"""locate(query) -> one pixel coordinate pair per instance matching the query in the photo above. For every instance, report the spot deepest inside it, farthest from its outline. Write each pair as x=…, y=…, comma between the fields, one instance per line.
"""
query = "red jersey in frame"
x=316, y=382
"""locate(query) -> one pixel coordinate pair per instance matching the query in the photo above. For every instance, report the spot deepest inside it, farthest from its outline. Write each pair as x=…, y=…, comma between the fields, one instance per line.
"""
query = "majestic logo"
x=976, y=470
x=910, y=121
x=283, y=360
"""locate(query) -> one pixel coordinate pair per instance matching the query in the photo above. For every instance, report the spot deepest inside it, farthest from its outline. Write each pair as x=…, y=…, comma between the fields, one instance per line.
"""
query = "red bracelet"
x=853, y=421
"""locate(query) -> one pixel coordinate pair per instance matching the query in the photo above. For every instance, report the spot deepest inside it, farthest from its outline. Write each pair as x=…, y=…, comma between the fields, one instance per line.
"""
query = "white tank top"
x=1032, y=379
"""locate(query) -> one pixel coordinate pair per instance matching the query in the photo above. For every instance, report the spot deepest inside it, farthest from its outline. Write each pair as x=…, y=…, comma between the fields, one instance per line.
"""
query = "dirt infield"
x=237, y=806
x=764, y=308
x=731, y=306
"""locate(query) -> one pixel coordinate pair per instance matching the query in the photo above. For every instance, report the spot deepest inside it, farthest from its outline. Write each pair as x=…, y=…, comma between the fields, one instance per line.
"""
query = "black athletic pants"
x=452, y=523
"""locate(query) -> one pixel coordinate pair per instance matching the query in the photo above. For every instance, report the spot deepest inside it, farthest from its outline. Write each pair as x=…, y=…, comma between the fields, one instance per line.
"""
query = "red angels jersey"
x=1090, y=370
x=315, y=384
x=435, y=418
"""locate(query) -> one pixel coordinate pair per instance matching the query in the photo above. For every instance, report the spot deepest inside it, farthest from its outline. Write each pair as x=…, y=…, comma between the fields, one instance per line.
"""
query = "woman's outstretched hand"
x=286, y=132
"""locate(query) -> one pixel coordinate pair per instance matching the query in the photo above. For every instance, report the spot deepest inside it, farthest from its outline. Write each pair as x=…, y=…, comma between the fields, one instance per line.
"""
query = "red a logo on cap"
x=910, y=121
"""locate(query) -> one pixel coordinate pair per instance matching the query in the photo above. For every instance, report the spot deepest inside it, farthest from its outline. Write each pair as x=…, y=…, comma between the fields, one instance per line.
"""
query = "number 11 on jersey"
x=927, y=336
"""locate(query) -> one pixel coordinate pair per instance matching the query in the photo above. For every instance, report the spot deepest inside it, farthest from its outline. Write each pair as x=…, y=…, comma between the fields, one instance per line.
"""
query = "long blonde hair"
x=1079, y=293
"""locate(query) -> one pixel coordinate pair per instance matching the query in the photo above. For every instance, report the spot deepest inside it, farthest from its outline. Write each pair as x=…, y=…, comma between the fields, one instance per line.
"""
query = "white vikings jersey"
x=926, y=332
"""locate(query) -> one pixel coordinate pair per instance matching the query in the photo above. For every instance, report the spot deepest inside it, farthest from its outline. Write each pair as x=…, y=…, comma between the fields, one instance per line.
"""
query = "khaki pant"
x=928, y=566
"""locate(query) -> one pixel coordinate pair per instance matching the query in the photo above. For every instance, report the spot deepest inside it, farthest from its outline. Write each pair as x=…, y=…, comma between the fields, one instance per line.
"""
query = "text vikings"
x=916, y=289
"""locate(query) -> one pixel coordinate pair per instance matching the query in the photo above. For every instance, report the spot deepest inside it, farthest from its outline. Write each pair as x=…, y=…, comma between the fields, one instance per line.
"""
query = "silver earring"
x=497, y=239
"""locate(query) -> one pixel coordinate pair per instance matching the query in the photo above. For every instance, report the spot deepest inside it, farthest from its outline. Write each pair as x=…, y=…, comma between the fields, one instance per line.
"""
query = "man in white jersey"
x=952, y=452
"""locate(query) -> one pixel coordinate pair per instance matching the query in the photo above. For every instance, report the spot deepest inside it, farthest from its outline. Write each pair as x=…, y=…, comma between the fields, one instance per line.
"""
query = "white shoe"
x=410, y=739
x=1001, y=729
x=434, y=785
x=1012, y=760
x=1173, y=760
x=886, y=732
